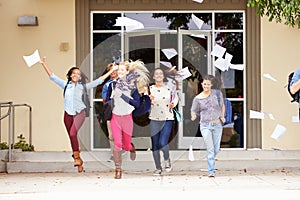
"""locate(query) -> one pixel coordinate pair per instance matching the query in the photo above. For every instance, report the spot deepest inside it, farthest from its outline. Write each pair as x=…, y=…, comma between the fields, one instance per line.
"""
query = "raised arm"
x=43, y=62
x=114, y=67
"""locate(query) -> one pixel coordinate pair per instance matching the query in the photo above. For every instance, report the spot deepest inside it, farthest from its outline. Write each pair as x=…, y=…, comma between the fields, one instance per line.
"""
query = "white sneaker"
x=157, y=172
x=168, y=166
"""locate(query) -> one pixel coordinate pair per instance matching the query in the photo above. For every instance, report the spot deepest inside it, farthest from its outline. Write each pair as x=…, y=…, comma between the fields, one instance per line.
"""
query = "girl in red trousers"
x=74, y=106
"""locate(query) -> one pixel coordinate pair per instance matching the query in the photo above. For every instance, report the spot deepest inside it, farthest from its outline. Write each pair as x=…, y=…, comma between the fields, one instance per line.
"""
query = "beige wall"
x=20, y=84
x=280, y=56
x=32, y=86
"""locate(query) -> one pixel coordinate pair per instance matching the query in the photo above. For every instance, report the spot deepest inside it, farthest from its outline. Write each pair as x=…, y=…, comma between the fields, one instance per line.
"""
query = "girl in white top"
x=163, y=100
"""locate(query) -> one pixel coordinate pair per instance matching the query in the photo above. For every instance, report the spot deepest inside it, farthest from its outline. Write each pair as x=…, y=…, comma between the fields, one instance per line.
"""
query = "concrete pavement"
x=242, y=184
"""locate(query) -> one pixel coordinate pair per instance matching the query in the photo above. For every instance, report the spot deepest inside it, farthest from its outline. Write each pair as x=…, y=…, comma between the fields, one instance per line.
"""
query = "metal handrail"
x=8, y=104
x=11, y=114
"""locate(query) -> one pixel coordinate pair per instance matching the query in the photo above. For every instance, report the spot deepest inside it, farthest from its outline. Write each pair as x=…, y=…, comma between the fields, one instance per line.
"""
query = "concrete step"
x=96, y=161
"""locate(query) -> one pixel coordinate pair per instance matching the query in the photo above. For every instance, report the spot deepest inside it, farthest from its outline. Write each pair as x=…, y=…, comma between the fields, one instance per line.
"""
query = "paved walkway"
x=269, y=184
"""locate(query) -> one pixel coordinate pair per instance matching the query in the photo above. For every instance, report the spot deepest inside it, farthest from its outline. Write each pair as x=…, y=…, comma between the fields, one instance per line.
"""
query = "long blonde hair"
x=143, y=79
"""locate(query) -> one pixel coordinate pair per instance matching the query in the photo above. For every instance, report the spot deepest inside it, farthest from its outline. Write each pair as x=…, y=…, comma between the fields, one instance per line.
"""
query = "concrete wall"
x=32, y=86
x=280, y=56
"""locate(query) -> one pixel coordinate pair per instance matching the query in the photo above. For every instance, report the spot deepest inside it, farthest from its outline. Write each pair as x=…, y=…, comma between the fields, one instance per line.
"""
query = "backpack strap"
x=84, y=88
x=66, y=88
x=219, y=97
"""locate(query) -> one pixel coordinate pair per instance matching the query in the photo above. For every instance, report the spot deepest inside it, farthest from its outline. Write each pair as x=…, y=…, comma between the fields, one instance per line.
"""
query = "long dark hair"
x=83, y=79
x=216, y=82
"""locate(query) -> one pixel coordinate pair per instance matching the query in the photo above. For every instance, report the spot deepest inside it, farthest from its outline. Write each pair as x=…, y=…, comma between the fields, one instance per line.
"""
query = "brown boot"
x=132, y=152
x=118, y=164
x=77, y=161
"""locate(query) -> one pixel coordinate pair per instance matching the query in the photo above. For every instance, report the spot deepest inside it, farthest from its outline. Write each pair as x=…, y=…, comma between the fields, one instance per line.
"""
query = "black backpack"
x=295, y=97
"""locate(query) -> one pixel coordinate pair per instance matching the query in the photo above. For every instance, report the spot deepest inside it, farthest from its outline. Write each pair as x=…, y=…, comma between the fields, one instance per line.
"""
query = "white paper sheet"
x=218, y=51
x=278, y=132
x=32, y=59
x=169, y=53
x=268, y=76
x=167, y=64
x=222, y=64
x=256, y=115
x=191, y=153
x=295, y=118
x=199, y=36
x=198, y=1
x=237, y=66
x=271, y=116
x=130, y=24
x=199, y=23
x=183, y=74
x=228, y=57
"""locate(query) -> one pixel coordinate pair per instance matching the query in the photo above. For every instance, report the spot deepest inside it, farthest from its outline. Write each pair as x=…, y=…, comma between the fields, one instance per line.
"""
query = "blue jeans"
x=160, y=133
x=212, y=133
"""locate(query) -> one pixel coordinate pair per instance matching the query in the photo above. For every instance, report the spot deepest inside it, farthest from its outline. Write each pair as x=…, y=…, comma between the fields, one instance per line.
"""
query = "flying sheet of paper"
x=199, y=36
x=191, y=153
x=32, y=59
x=237, y=66
x=228, y=57
x=278, y=132
x=271, y=116
x=256, y=115
x=130, y=24
x=295, y=119
x=183, y=74
x=268, y=76
x=198, y=1
x=167, y=64
x=222, y=64
x=199, y=23
x=169, y=53
x=218, y=51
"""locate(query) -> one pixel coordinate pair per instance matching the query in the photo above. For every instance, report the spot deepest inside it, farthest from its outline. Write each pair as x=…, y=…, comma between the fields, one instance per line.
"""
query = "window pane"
x=232, y=80
x=233, y=134
x=171, y=21
x=205, y=17
x=107, y=48
x=105, y=21
x=229, y=21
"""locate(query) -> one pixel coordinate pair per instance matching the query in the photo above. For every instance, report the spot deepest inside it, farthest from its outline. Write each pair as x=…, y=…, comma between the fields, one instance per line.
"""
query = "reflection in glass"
x=195, y=58
x=233, y=42
x=106, y=49
x=229, y=21
x=171, y=21
x=105, y=21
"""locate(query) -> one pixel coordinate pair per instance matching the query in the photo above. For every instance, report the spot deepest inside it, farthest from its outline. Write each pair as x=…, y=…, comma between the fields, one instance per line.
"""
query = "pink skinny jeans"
x=122, y=127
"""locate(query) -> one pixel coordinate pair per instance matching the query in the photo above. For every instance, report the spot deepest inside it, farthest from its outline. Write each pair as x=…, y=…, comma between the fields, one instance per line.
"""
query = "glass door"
x=144, y=46
x=194, y=49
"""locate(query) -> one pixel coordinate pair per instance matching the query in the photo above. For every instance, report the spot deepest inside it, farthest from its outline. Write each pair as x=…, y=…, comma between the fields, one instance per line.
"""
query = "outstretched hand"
x=43, y=60
x=114, y=67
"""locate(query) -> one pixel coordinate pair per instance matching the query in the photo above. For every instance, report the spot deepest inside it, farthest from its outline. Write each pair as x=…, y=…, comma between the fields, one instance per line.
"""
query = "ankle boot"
x=77, y=161
x=118, y=164
x=132, y=152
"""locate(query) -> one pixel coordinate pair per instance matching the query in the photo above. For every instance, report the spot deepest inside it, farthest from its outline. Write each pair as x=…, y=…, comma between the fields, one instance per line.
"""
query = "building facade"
x=84, y=33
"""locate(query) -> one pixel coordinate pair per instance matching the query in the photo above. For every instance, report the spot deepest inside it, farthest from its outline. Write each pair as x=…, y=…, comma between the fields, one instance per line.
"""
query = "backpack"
x=85, y=99
x=140, y=114
x=228, y=108
x=295, y=97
